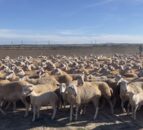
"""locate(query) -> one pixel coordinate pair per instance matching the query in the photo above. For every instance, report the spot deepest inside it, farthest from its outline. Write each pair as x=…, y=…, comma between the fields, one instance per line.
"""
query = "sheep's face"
x=27, y=89
x=80, y=80
x=62, y=88
x=72, y=90
x=124, y=85
x=118, y=77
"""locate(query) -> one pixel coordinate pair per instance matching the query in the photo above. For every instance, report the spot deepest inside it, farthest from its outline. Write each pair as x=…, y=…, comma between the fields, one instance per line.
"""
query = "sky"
x=71, y=21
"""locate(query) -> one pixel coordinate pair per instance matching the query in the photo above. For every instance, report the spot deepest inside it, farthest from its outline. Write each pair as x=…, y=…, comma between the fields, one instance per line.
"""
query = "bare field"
x=105, y=121
x=15, y=51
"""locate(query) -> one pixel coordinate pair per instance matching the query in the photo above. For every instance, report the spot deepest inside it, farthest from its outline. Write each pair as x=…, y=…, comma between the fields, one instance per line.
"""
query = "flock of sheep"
x=75, y=81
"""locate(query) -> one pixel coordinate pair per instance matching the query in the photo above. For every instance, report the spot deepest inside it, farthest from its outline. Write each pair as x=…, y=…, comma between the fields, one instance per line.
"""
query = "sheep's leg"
x=128, y=109
x=139, y=107
x=2, y=111
x=134, y=113
x=96, y=112
x=63, y=105
x=96, y=108
x=114, y=101
x=54, y=112
x=83, y=110
x=38, y=112
x=71, y=112
x=31, y=107
x=34, y=113
x=111, y=106
x=76, y=114
x=2, y=104
x=8, y=105
x=122, y=105
x=26, y=105
x=14, y=106
x=103, y=104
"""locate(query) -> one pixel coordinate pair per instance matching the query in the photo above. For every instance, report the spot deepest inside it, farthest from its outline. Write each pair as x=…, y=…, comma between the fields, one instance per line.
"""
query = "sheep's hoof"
x=94, y=118
x=2, y=112
x=128, y=113
x=124, y=110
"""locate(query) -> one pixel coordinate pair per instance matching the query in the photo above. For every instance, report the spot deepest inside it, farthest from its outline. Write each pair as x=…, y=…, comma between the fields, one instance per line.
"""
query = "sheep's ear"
x=58, y=84
x=75, y=88
x=119, y=81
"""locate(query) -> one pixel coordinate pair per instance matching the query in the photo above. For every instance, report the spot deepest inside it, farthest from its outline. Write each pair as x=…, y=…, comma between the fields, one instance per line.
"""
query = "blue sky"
x=71, y=21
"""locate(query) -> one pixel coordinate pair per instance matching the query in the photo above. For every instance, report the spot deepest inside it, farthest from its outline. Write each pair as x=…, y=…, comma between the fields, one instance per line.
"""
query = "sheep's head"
x=118, y=77
x=27, y=89
x=123, y=85
x=80, y=79
x=62, y=87
x=56, y=72
x=72, y=90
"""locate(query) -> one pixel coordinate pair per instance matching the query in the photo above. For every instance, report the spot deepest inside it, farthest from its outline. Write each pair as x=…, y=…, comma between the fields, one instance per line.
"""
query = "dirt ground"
x=105, y=121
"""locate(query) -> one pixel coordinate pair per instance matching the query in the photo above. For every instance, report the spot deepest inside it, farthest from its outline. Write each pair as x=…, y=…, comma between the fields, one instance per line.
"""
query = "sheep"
x=4, y=81
x=63, y=87
x=80, y=79
x=43, y=99
x=14, y=91
x=113, y=85
x=64, y=79
x=42, y=80
x=82, y=95
x=106, y=92
x=126, y=88
x=136, y=101
x=41, y=88
x=61, y=76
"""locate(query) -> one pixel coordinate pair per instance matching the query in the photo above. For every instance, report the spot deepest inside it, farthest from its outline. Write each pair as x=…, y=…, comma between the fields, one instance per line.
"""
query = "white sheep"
x=136, y=101
x=43, y=99
x=63, y=87
x=126, y=88
x=82, y=95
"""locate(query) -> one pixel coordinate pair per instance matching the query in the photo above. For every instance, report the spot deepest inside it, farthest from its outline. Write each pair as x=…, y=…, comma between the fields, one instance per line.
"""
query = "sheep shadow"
x=104, y=121
x=121, y=126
